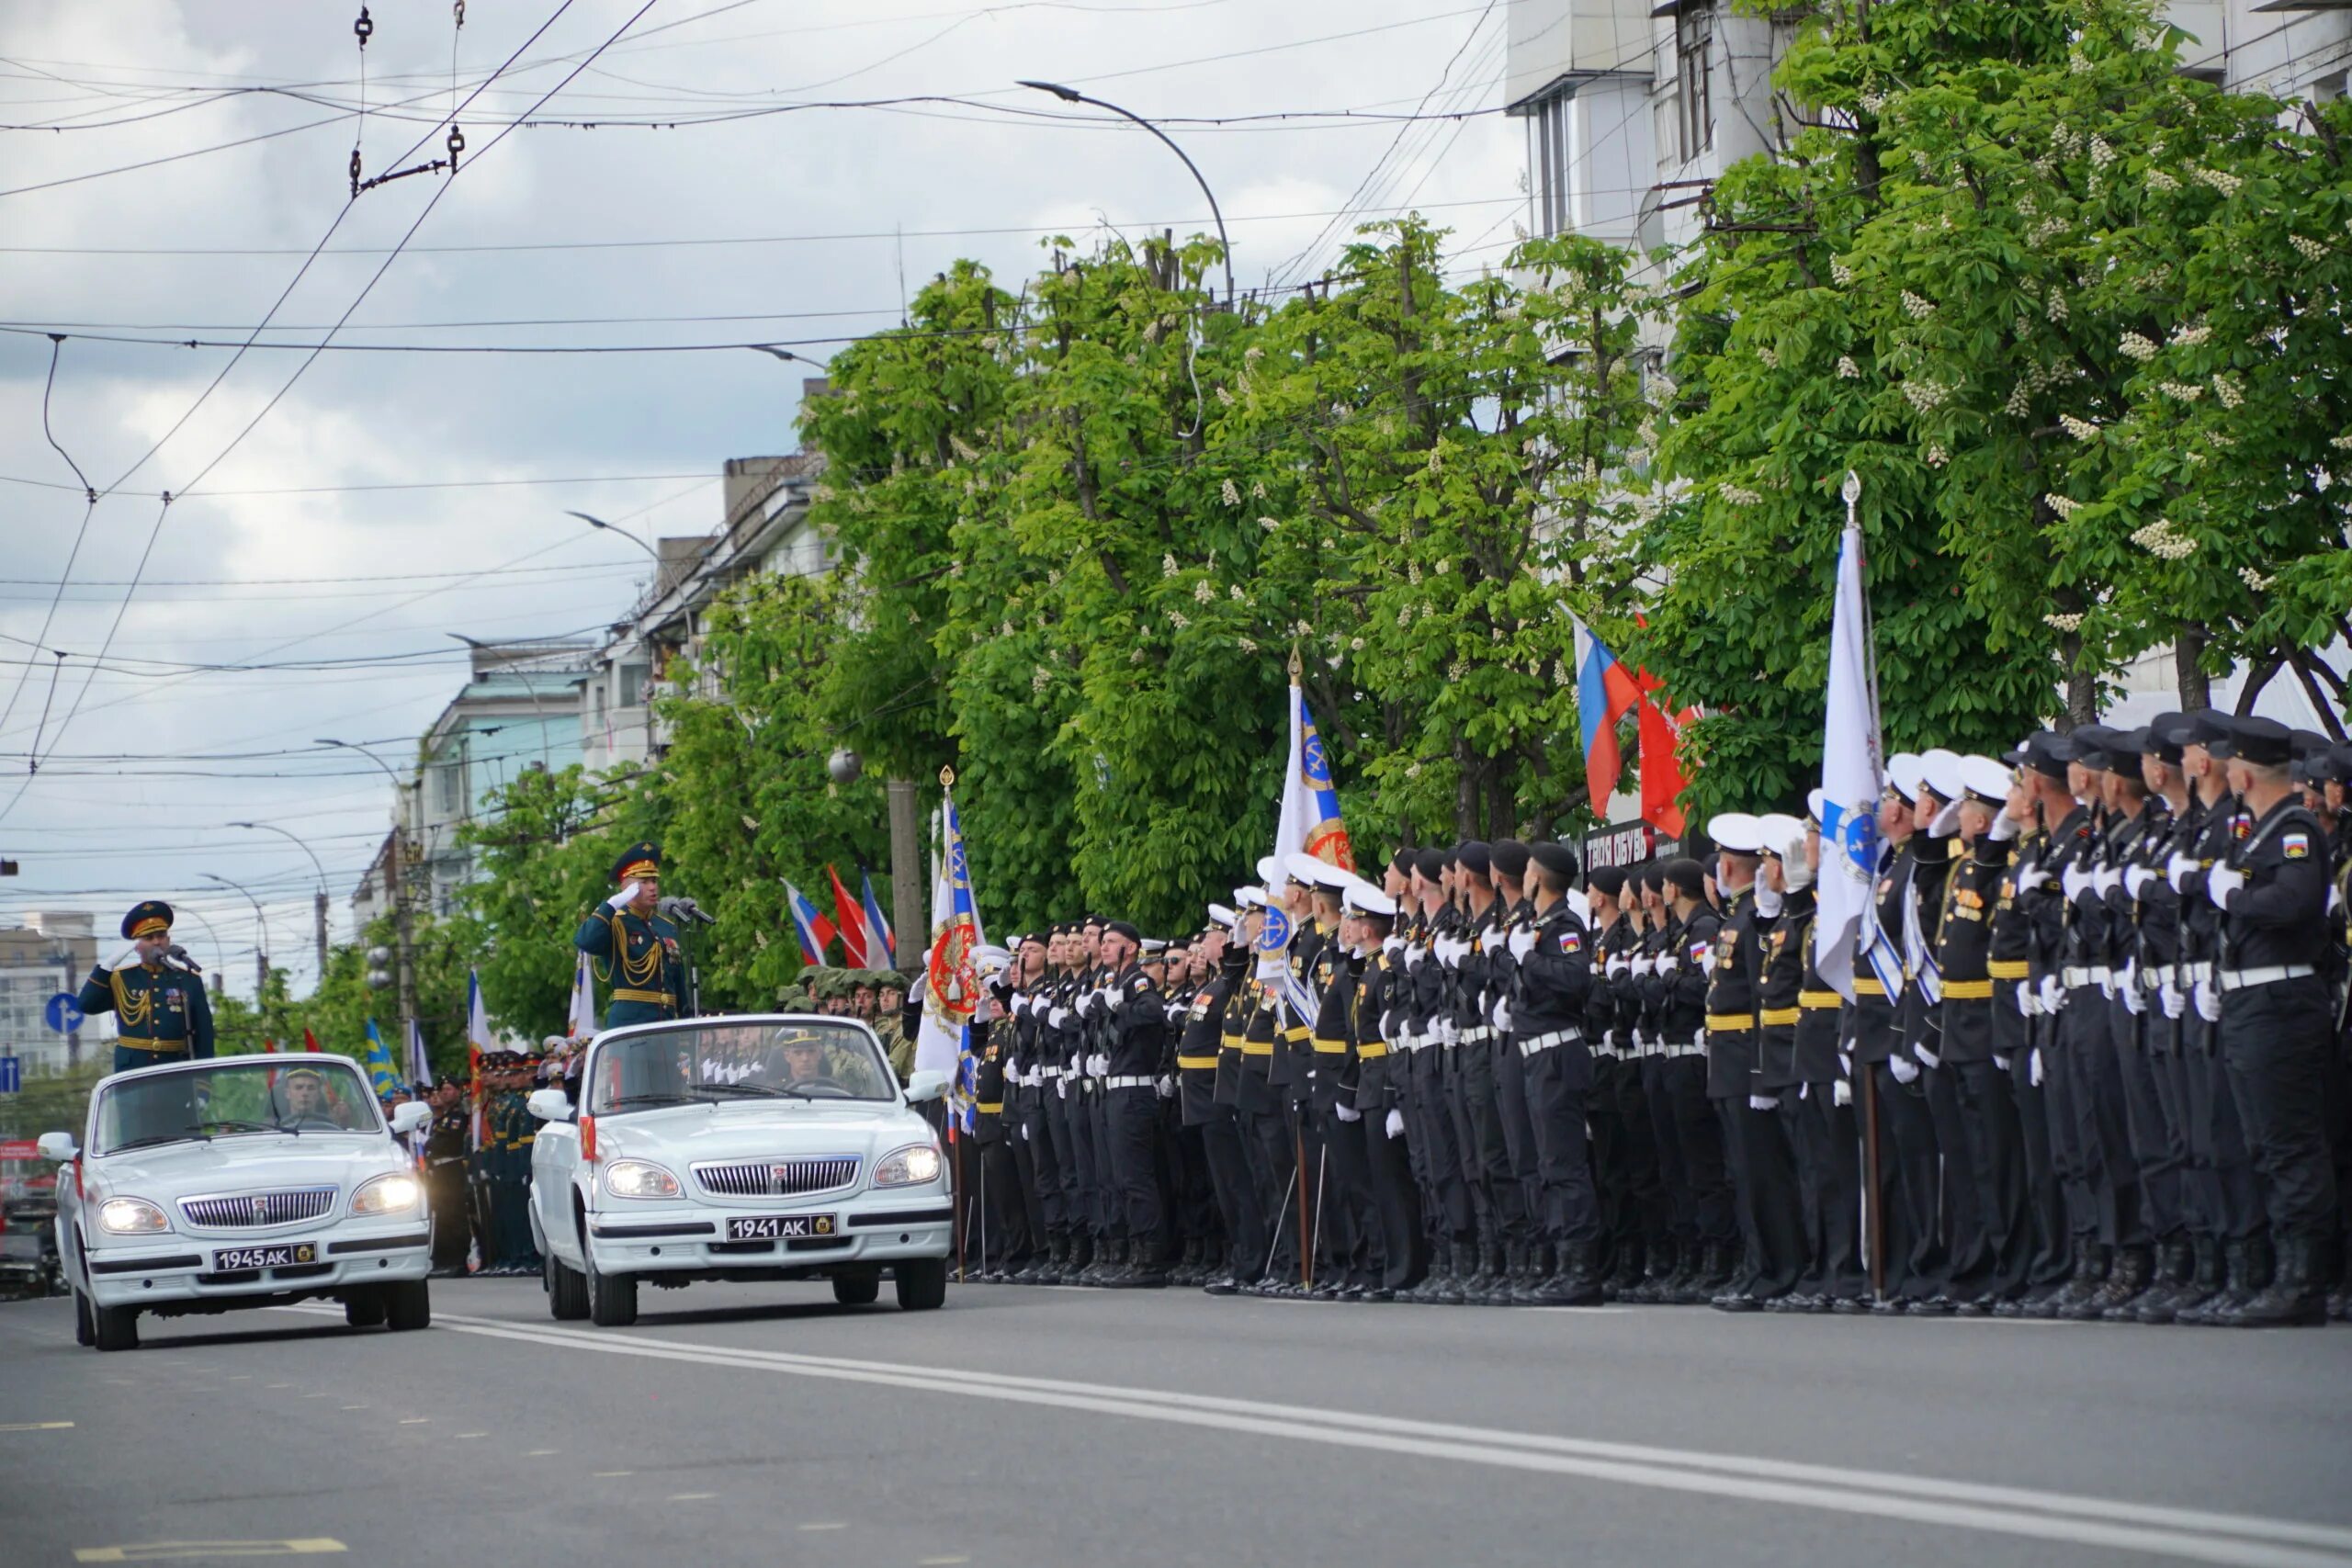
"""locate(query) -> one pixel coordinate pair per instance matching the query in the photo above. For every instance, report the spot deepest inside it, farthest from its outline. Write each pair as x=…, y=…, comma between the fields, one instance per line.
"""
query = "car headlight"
x=131, y=1217
x=637, y=1178
x=396, y=1192
x=908, y=1167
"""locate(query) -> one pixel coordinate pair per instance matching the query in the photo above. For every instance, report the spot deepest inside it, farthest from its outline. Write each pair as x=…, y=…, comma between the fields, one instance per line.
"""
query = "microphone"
x=683, y=908
x=180, y=955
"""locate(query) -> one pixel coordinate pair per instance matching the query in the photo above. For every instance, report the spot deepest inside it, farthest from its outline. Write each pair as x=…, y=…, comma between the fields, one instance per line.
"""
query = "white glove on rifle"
x=2177, y=871
x=2053, y=994
x=2208, y=1000
x=1502, y=1015
x=2135, y=878
x=2170, y=998
x=1905, y=1069
x=1522, y=942
x=1763, y=1102
x=1058, y=1017
x=1396, y=1124
x=1841, y=1093
x=1927, y=1059
x=2220, y=882
x=2033, y=1067
x=2127, y=984
x=2076, y=882
x=1167, y=1086
x=2107, y=881
x=1347, y=1112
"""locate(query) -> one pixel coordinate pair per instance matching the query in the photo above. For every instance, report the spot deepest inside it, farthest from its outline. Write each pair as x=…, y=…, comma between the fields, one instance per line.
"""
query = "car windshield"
x=711, y=1062
x=234, y=1098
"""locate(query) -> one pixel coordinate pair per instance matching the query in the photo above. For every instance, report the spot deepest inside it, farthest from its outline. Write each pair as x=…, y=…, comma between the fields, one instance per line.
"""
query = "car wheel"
x=612, y=1298
x=83, y=1334
x=567, y=1292
x=114, y=1328
x=408, y=1305
x=856, y=1289
x=365, y=1310
x=922, y=1284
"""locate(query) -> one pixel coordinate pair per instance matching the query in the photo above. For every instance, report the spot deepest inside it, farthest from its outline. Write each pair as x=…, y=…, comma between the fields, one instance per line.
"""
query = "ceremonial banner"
x=1605, y=694
x=1310, y=820
x=580, y=1025
x=1852, y=763
x=951, y=983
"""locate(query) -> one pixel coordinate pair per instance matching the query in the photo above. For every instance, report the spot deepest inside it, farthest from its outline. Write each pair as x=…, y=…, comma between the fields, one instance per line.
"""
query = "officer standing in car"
x=631, y=945
x=160, y=1011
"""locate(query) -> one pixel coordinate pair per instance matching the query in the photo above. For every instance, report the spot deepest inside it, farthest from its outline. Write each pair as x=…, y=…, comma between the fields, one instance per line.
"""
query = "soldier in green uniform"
x=445, y=1181
x=633, y=947
x=160, y=1011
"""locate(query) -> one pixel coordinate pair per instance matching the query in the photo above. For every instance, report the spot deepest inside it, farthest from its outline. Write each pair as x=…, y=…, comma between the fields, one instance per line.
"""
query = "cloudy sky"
x=346, y=520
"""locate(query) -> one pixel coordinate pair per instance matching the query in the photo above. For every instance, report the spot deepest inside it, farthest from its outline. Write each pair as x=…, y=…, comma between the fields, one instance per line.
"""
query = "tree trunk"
x=2188, y=669
x=2320, y=704
x=1465, y=792
x=2082, y=685
x=1502, y=814
x=2255, y=682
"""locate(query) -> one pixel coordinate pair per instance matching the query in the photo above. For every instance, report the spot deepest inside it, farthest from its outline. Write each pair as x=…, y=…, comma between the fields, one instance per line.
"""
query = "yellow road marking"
x=166, y=1551
x=34, y=1426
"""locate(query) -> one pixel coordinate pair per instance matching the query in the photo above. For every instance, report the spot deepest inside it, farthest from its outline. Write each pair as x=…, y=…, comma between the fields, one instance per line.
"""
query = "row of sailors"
x=2092, y=1066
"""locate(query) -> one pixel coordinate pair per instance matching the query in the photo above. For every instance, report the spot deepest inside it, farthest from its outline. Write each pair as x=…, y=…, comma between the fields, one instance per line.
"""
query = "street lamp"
x=528, y=690
x=1072, y=96
x=618, y=532
x=260, y=952
x=406, y=971
x=320, y=906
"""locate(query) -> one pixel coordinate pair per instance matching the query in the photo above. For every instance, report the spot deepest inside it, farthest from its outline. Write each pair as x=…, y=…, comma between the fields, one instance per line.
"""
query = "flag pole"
x=1874, y=1192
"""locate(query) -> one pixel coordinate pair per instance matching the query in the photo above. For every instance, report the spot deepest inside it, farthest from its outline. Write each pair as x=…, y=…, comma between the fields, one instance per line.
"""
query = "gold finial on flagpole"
x=1297, y=667
x=947, y=778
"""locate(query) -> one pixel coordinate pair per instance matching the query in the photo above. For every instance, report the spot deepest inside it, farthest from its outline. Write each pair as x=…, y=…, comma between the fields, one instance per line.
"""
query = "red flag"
x=1663, y=777
x=310, y=1041
x=268, y=1046
x=849, y=915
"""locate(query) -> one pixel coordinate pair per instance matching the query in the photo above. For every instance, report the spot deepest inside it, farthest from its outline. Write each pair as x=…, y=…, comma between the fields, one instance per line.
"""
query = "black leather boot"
x=2292, y=1300
x=2175, y=1282
x=2090, y=1273
x=1144, y=1270
x=1626, y=1265
x=1658, y=1264
x=1480, y=1278
x=1080, y=1259
x=2127, y=1282
x=1461, y=1258
x=1579, y=1281
x=2207, y=1274
x=2246, y=1265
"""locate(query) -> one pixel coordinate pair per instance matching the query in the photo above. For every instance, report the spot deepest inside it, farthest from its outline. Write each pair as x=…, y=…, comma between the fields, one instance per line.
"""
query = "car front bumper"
x=176, y=1269
x=690, y=1237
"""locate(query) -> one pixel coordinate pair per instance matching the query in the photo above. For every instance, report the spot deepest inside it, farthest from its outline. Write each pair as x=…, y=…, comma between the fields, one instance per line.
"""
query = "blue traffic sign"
x=12, y=1078
x=63, y=1013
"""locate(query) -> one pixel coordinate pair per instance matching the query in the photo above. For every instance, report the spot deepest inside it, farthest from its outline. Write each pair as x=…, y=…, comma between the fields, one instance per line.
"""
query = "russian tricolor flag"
x=1605, y=694
x=816, y=931
x=878, y=925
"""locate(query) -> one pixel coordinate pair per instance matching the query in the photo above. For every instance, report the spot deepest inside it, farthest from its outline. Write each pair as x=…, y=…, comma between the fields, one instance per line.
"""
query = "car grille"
x=259, y=1210
x=777, y=1178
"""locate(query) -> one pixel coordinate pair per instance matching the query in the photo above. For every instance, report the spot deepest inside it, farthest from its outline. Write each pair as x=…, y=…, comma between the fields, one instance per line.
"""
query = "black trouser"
x=1519, y=1132
x=1697, y=1135
x=1004, y=1219
x=1073, y=1164
x=1237, y=1193
x=1447, y=1212
x=1193, y=1208
x=2016, y=1036
x=1110, y=1211
x=1660, y=1114
x=2275, y=1039
x=1490, y=1164
x=2168, y=1061
x=452, y=1229
x=1454, y=1074
x=2217, y=1141
x=1765, y=1182
x=1908, y=1187
x=1274, y=1159
x=1347, y=1229
x=1131, y=1127
x=1397, y=1210
x=1829, y=1190
x=1964, y=1230
x=1558, y=1079
x=1993, y=1144
x=1035, y=1167
x=2095, y=1094
x=2143, y=1121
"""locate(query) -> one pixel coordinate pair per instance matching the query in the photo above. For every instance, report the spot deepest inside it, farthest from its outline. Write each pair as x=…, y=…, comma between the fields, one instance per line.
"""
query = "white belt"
x=1411, y=1041
x=1476, y=1036
x=2192, y=973
x=2073, y=978
x=2240, y=979
x=1047, y=1075
x=1127, y=1083
x=1688, y=1048
x=1604, y=1046
x=1530, y=1046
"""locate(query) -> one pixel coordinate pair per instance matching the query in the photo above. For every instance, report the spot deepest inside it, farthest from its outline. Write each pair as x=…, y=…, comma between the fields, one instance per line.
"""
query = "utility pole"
x=906, y=912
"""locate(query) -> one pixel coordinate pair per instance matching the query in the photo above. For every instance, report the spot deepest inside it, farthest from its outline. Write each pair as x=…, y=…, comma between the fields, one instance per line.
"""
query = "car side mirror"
x=929, y=1084
x=414, y=1117
x=549, y=1105
x=57, y=1146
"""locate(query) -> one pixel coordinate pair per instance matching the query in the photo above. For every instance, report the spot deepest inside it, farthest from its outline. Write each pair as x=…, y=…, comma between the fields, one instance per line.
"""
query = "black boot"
x=1080, y=1259
x=1658, y=1264
x=1480, y=1278
x=1461, y=1259
x=2293, y=1299
x=1536, y=1271
x=2127, y=1282
x=1578, y=1283
x=2175, y=1283
x=2245, y=1267
x=1144, y=1270
x=2206, y=1277
x=1626, y=1268
x=2090, y=1272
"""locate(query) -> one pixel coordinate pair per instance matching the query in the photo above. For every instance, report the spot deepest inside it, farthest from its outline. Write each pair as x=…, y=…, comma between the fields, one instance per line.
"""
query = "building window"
x=1550, y=158
x=632, y=686
x=1694, y=31
x=452, y=793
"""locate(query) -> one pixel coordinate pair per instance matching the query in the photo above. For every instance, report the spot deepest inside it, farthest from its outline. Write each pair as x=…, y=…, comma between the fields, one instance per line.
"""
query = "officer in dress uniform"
x=1208, y=1060
x=2273, y=1010
x=160, y=1011
x=1681, y=1094
x=1820, y=1116
x=445, y=1180
x=1551, y=953
x=1432, y=1124
x=631, y=945
x=1763, y=1183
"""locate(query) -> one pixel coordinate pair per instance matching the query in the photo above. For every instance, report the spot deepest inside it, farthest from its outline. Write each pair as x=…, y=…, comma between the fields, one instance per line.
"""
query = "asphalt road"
x=1035, y=1429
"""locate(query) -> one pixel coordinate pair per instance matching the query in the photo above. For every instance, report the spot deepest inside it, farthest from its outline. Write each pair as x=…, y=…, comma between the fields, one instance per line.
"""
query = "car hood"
x=693, y=1135
x=248, y=1163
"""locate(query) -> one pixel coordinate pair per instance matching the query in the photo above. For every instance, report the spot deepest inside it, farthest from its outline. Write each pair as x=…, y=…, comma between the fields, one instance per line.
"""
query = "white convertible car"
x=243, y=1181
x=752, y=1147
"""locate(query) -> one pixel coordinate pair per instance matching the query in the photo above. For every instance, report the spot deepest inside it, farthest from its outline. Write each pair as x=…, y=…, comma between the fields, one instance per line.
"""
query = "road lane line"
x=34, y=1426
x=2196, y=1535
x=171, y=1551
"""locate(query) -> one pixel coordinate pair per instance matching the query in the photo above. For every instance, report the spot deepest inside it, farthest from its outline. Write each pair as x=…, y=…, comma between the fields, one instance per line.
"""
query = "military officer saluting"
x=633, y=947
x=160, y=1011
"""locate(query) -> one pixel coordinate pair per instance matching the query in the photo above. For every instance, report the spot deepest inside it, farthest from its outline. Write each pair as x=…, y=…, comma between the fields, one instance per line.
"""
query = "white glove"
x=2220, y=882
x=1058, y=1017
x=625, y=897
x=2024, y=999
x=2106, y=987
x=1061, y=1087
x=1637, y=1038
x=2000, y=1061
x=1392, y=945
x=1763, y=1102
x=2107, y=881
x=1619, y=966
x=2208, y=1000
x=1502, y=1015
x=1396, y=1124
x=2177, y=871
x=1098, y=1066
x=2028, y=872
x=2127, y=979
x=2169, y=997
x=1522, y=942
x=1700, y=1040
x=2033, y=1067
x=2075, y=881
x=2053, y=994
x=1947, y=821
x=1347, y=1112
x=1414, y=953
x=1841, y=1093
x=2135, y=878
x=2004, y=826
x=1905, y=1069
x=1448, y=1031
x=1167, y=1086
x=1927, y=1059
x=1845, y=1066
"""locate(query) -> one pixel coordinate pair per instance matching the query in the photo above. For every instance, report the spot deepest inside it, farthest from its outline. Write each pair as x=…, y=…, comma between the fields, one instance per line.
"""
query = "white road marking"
x=825, y=1527
x=34, y=1426
x=2244, y=1540
x=609, y=1474
x=692, y=1496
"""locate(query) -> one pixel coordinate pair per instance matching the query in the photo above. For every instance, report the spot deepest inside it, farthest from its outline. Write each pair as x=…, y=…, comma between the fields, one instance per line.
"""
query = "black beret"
x=2335, y=764
x=1475, y=857
x=1554, y=857
x=1607, y=880
x=1121, y=928
x=1430, y=864
x=2263, y=741
x=1687, y=877
x=1510, y=857
x=1649, y=877
x=2206, y=725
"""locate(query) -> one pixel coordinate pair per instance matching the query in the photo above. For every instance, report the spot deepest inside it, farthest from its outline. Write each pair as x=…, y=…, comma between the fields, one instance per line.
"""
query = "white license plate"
x=281, y=1254
x=778, y=1227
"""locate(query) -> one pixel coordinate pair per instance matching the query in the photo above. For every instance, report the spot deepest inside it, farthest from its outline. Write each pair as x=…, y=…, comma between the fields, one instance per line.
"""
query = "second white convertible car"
x=752, y=1147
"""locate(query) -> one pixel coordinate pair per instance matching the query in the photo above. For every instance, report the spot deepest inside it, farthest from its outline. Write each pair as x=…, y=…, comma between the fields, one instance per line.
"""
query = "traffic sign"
x=63, y=1013
x=11, y=1077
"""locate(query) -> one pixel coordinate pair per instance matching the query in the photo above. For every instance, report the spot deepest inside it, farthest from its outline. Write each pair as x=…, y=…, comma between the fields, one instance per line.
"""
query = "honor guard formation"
x=2092, y=1067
